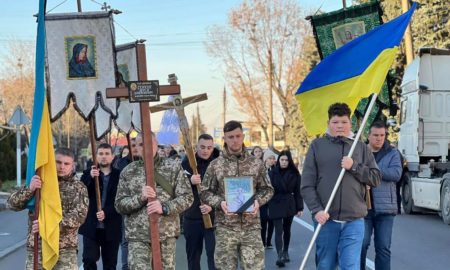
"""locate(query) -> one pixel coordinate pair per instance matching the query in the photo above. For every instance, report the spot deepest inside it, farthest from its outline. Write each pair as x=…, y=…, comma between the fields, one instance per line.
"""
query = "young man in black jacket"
x=194, y=230
x=102, y=231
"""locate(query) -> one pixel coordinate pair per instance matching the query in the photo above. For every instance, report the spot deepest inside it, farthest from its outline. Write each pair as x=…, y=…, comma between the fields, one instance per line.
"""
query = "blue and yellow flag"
x=352, y=72
x=41, y=155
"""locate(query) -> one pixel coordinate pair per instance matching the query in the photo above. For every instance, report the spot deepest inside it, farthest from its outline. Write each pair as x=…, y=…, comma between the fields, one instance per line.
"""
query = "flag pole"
x=37, y=198
x=37, y=192
x=339, y=180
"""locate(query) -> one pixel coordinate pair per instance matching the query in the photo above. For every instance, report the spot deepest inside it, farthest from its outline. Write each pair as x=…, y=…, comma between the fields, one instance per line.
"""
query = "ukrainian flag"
x=352, y=72
x=41, y=156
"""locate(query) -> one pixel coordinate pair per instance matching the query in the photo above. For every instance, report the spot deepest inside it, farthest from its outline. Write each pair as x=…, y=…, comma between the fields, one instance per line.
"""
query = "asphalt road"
x=419, y=242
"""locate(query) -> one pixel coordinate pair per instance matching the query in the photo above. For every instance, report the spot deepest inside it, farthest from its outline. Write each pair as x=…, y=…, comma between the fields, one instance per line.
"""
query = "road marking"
x=4, y=234
x=369, y=263
x=12, y=248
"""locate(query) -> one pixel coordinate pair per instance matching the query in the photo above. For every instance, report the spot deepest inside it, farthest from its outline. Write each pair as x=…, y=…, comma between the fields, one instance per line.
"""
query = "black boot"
x=280, y=261
x=286, y=256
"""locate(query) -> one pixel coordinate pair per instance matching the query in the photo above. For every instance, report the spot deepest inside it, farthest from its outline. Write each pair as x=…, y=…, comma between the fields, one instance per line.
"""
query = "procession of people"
x=236, y=237
x=232, y=202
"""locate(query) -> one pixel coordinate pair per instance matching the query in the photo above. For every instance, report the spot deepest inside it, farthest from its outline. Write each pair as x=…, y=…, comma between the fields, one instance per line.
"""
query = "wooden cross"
x=178, y=104
x=146, y=138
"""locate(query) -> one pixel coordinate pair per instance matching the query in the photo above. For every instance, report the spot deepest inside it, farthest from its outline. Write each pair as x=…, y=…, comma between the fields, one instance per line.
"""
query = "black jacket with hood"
x=193, y=212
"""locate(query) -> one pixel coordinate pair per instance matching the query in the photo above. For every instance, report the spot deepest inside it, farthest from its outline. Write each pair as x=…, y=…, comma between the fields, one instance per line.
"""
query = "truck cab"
x=424, y=136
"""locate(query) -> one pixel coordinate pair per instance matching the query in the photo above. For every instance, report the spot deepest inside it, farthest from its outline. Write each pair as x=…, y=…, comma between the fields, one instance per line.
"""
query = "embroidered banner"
x=80, y=55
x=128, y=115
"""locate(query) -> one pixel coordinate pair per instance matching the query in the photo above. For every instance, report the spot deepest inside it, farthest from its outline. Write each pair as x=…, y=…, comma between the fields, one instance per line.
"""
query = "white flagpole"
x=339, y=180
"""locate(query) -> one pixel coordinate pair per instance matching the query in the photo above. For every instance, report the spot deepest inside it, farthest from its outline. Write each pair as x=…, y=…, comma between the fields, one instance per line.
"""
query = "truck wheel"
x=407, y=200
x=445, y=201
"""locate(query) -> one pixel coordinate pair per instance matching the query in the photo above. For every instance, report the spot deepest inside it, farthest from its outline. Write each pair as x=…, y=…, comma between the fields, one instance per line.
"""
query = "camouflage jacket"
x=129, y=204
x=74, y=203
x=213, y=187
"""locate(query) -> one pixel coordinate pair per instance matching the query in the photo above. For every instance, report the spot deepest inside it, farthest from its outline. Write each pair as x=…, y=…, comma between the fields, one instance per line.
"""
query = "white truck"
x=424, y=136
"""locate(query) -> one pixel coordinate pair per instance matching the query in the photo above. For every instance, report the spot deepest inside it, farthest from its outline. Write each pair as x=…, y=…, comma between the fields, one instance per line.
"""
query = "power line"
x=56, y=6
x=100, y=4
x=131, y=35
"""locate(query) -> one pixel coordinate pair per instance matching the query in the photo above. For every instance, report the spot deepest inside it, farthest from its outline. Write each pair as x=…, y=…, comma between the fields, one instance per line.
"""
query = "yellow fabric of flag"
x=50, y=211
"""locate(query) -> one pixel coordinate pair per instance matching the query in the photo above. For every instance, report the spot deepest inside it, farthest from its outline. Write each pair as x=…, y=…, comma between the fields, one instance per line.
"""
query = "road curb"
x=3, y=199
x=11, y=249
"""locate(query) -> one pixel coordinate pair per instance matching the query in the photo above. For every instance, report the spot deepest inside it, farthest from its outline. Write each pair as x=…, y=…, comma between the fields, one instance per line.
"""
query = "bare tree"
x=16, y=78
x=261, y=34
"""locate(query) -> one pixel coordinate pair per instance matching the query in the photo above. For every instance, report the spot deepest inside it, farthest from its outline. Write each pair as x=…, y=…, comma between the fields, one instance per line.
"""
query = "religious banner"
x=80, y=56
x=334, y=29
x=102, y=122
x=128, y=117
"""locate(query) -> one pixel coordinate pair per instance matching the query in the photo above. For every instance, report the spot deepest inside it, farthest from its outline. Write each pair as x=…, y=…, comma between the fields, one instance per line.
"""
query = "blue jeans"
x=339, y=244
x=381, y=226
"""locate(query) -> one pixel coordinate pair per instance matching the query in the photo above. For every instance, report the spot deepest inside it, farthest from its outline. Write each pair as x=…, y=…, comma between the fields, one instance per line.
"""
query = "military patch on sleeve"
x=85, y=200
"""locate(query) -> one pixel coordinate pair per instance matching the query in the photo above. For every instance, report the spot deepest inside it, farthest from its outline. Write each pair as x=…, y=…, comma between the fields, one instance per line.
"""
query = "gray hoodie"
x=321, y=170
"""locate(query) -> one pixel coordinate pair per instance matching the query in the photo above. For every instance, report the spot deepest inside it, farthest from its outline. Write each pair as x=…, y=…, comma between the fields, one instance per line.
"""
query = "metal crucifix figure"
x=178, y=104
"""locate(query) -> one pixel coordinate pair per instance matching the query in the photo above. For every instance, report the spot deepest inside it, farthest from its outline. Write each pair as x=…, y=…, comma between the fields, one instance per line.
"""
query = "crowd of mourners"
x=183, y=196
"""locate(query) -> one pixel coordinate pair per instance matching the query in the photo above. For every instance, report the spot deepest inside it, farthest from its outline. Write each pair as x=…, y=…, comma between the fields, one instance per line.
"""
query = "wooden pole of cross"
x=178, y=104
x=146, y=138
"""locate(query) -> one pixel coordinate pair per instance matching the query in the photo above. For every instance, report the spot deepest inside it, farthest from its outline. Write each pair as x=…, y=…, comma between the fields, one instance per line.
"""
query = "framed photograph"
x=237, y=191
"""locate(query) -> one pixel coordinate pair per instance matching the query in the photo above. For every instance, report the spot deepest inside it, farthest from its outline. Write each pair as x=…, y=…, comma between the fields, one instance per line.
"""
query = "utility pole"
x=409, y=49
x=194, y=128
x=344, y=4
x=270, y=124
x=20, y=65
x=224, y=109
x=4, y=110
x=198, y=122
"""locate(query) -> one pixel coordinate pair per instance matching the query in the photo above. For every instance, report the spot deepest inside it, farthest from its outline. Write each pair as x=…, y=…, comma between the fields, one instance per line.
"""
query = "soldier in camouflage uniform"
x=131, y=201
x=74, y=203
x=237, y=235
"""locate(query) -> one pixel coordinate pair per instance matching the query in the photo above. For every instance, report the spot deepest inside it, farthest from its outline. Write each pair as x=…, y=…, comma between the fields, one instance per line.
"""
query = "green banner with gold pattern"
x=334, y=29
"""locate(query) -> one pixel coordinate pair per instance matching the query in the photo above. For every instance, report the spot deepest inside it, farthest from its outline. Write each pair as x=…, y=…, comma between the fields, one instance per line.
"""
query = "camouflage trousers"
x=245, y=245
x=139, y=254
x=67, y=260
